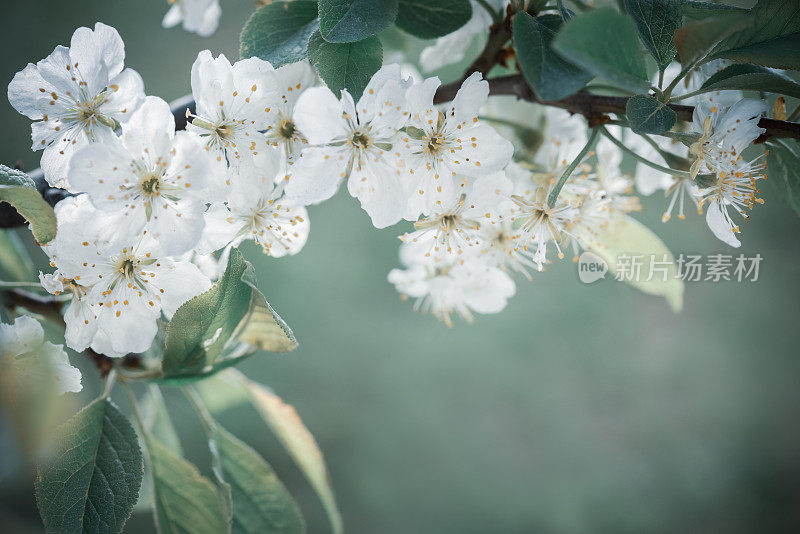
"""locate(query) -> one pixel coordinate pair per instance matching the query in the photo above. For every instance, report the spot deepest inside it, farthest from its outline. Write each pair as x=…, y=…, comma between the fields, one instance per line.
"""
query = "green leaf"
x=346, y=65
x=261, y=503
x=783, y=170
x=604, y=43
x=348, y=21
x=429, y=19
x=700, y=10
x=746, y=77
x=185, y=501
x=551, y=77
x=157, y=421
x=15, y=262
x=278, y=32
x=93, y=481
x=649, y=115
x=694, y=41
x=779, y=53
x=625, y=235
x=657, y=21
x=222, y=326
x=295, y=437
x=18, y=189
x=771, y=19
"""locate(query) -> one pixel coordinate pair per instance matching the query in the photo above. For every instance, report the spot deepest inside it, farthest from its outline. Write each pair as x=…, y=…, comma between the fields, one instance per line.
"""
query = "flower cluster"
x=151, y=204
x=154, y=208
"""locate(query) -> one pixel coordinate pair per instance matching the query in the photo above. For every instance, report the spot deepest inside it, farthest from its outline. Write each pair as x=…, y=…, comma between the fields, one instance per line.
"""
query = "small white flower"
x=498, y=247
x=197, y=16
x=78, y=95
x=439, y=145
x=155, y=176
x=233, y=104
x=22, y=345
x=617, y=186
x=454, y=226
x=649, y=180
x=353, y=142
x=256, y=210
x=282, y=131
x=564, y=138
x=540, y=223
x=462, y=288
x=735, y=188
x=724, y=134
x=120, y=288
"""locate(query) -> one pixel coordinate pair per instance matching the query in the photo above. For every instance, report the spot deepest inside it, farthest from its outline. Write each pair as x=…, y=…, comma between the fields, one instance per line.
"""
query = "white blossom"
x=282, y=131
x=257, y=210
x=438, y=145
x=232, y=108
x=453, y=227
x=461, y=288
x=541, y=224
x=196, y=16
x=22, y=346
x=155, y=176
x=77, y=95
x=120, y=287
x=735, y=188
x=724, y=135
x=498, y=247
x=353, y=142
x=616, y=185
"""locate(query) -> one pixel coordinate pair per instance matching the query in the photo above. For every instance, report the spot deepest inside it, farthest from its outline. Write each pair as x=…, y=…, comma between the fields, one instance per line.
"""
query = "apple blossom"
x=233, y=104
x=354, y=142
x=76, y=95
x=156, y=176
x=439, y=146
x=257, y=210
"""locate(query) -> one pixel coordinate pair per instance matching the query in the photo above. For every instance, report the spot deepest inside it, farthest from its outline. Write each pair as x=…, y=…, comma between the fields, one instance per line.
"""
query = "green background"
x=578, y=409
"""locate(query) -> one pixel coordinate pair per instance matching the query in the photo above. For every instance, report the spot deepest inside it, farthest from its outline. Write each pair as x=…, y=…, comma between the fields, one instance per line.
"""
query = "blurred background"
x=578, y=409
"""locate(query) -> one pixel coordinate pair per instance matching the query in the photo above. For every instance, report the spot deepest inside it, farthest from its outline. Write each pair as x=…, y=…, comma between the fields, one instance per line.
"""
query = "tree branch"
x=592, y=106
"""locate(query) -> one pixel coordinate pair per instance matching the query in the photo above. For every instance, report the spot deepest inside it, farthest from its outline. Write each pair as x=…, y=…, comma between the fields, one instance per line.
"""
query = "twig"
x=637, y=157
x=493, y=53
x=553, y=196
x=591, y=106
x=46, y=306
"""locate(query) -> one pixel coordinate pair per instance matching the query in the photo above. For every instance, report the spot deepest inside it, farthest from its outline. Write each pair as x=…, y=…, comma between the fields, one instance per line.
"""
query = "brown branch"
x=46, y=306
x=593, y=106
x=495, y=50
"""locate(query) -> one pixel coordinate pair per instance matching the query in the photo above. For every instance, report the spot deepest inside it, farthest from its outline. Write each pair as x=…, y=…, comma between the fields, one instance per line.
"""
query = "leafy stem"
x=554, y=192
x=637, y=157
